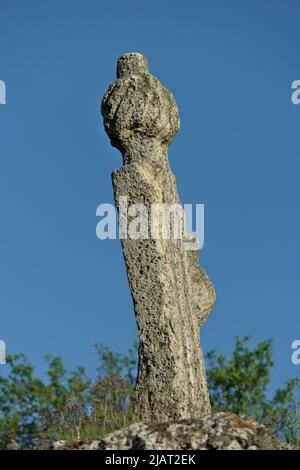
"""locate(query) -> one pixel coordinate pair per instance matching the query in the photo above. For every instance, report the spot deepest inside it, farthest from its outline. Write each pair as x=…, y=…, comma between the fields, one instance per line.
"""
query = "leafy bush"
x=72, y=406
x=240, y=384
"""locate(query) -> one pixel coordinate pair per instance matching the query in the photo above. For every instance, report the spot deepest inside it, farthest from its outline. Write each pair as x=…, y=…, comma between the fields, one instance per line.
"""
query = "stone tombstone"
x=172, y=295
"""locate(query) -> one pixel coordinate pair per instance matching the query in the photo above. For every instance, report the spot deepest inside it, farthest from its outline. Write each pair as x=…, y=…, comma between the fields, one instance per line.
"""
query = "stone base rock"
x=223, y=431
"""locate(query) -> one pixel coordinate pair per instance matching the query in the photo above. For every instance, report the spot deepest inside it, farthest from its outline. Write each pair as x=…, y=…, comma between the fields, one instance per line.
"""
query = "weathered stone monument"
x=172, y=295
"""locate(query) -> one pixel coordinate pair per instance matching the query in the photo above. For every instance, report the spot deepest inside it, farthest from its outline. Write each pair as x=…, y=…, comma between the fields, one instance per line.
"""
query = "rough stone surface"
x=172, y=295
x=223, y=431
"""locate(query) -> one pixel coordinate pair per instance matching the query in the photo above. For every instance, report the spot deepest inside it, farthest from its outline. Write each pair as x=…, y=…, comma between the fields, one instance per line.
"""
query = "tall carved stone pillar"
x=172, y=295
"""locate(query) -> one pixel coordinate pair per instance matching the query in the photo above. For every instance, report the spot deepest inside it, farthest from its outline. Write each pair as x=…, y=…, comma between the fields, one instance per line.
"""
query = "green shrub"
x=74, y=407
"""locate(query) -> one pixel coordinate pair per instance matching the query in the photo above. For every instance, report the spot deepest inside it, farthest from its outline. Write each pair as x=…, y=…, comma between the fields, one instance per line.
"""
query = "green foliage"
x=240, y=384
x=68, y=406
x=72, y=406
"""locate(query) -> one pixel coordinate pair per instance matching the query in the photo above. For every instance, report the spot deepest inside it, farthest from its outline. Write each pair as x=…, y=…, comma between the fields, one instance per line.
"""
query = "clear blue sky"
x=230, y=66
